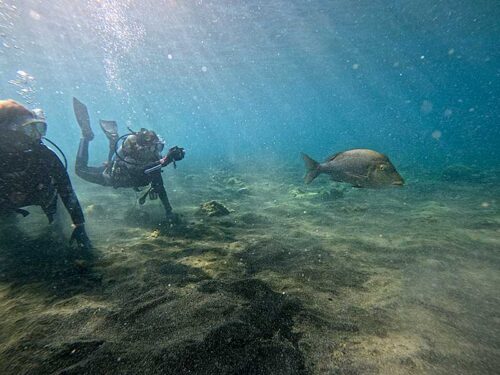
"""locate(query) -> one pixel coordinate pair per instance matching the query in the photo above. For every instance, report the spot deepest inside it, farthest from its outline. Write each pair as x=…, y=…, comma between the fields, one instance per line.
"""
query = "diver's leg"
x=164, y=200
x=157, y=185
x=90, y=174
x=83, y=119
x=110, y=129
x=82, y=157
x=82, y=170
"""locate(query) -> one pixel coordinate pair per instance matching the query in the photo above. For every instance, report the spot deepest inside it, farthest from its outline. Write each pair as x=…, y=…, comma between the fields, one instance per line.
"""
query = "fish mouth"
x=398, y=183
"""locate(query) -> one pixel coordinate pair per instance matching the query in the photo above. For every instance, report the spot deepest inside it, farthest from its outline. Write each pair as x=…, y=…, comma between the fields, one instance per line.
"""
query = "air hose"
x=60, y=151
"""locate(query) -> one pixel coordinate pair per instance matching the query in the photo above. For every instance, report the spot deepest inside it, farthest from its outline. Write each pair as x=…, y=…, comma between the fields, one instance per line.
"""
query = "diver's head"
x=149, y=140
x=16, y=117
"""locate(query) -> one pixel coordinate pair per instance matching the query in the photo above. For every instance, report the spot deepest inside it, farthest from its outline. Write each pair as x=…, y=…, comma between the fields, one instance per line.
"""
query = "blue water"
x=242, y=80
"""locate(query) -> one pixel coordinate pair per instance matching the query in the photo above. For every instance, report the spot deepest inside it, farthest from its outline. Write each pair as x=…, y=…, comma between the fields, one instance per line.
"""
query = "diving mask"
x=35, y=128
x=151, y=141
x=156, y=146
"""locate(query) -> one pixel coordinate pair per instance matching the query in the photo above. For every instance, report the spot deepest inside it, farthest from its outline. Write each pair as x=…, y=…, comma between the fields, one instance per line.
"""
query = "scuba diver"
x=135, y=163
x=30, y=172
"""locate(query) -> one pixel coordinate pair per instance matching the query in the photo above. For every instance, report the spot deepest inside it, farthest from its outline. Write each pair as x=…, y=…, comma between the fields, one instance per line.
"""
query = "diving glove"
x=80, y=236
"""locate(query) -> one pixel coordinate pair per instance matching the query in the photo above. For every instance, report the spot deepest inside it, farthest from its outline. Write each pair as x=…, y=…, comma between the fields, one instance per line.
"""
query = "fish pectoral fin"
x=357, y=179
x=357, y=176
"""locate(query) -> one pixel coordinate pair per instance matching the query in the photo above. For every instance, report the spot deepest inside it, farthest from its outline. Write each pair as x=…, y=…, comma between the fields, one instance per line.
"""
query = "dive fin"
x=83, y=119
x=312, y=167
x=142, y=199
x=110, y=128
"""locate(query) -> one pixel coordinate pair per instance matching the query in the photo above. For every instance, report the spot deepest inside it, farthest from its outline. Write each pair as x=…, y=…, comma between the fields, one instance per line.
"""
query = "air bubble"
x=436, y=134
x=35, y=15
x=426, y=106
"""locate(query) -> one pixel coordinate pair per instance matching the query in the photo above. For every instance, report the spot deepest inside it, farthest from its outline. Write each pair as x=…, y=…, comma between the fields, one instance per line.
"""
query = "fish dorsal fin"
x=330, y=158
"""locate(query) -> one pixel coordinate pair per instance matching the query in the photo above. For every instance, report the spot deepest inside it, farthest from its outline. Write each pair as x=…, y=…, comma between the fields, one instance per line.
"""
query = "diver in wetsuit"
x=30, y=172
x=137, y=162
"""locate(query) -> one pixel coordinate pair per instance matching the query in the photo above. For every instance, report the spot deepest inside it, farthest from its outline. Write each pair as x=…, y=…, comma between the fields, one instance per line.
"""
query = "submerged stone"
x=214, y=208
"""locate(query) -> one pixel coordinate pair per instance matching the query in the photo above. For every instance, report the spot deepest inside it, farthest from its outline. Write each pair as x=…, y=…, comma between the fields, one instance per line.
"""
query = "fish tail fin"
x=312, y=167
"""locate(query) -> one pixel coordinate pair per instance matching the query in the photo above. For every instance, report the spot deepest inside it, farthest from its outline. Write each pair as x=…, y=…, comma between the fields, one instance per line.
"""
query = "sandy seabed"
x=318, y=279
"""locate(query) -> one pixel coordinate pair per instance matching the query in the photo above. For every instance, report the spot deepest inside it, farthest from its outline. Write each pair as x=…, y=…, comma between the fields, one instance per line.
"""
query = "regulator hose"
x=60, y=151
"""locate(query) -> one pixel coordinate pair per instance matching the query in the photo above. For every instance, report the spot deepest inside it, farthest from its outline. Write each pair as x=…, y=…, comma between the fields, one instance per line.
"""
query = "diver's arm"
x=174, y=154
x=65, y=189
x=70, y=200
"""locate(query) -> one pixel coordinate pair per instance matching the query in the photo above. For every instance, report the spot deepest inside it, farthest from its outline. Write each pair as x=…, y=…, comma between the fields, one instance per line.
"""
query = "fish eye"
x=382, y=167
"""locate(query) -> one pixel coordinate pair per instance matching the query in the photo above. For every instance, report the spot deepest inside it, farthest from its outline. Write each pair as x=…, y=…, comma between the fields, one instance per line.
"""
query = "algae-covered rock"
x=461, y=173
x=155, y=233
x=214, y=208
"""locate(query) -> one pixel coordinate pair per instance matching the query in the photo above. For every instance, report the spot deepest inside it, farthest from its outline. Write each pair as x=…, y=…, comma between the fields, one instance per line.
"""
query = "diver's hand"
x=80, y=236
x=175, y=154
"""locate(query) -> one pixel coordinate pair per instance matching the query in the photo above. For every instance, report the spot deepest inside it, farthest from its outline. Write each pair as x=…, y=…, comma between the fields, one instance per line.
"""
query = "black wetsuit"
x=121, y=174
x=32, y=174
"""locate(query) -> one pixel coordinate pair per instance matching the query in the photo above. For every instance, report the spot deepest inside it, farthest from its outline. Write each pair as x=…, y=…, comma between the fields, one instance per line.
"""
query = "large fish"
x=360, y=167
